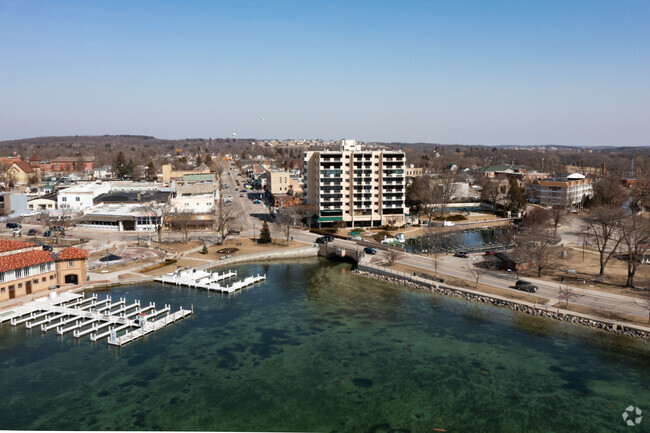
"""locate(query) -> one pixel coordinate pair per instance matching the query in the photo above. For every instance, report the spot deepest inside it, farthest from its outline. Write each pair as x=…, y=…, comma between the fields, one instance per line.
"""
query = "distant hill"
x=140, y=148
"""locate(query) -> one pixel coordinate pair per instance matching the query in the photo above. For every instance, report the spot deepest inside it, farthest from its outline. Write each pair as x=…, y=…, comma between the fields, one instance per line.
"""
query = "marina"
x=198, y=278
x=71, y=312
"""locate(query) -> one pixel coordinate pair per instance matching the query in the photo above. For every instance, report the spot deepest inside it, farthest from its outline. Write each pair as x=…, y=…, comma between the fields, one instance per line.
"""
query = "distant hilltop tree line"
x=432, y=157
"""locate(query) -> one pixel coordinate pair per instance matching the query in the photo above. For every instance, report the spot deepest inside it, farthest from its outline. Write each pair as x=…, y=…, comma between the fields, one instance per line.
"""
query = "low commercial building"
x=195, y=198
x=123, y=217
x=169, y=174
x=81, y=197
x=45, y=203
x=281, y=189
x=25, y=269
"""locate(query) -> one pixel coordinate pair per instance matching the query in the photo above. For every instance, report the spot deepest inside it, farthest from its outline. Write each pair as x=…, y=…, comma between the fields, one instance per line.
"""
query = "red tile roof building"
x=25, y=269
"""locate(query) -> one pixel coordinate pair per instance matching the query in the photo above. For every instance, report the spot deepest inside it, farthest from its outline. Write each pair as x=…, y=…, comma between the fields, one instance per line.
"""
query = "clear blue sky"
x=472, y=72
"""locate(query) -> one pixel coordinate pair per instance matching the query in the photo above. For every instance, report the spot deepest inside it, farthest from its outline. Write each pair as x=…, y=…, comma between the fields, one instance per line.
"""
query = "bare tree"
x=600, y=227
x=566, y=293
x=506, y=236
x=391, y=256
x=634, y=232
x=446, y=191
x=158, y=213
x=538, y=247
x=476, y=270
x=641, y=192
x=306, y=212
x=609, y=192
x=557, y=217
x=490, y=192
x=181, y=220
x=425, y=195
x=225, y=220
x=392, y=221
x=431, y=240
x=58, y=225
x=536, y=217
x=287, y=218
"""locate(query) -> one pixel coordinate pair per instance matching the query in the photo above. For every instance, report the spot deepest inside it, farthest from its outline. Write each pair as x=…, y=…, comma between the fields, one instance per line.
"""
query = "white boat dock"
x=201, y=279
x=71, y=312
x=148, y=327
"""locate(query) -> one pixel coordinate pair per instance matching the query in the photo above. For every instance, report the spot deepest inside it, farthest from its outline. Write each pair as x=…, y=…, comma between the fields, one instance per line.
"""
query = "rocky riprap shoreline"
x=512, y=305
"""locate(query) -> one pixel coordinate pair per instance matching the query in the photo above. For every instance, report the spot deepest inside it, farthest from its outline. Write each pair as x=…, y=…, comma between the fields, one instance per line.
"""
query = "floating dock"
x=208, y=280
x=71, y=312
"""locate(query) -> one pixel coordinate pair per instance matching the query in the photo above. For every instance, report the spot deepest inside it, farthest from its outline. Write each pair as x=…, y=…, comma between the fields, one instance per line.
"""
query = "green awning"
x=329, y=219
x=354, y=233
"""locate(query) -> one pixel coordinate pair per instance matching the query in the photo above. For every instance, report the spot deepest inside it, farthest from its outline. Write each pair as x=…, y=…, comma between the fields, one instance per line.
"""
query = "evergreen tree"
x=516, y=196
x=151, y=171
x=265, y=234
x=130, y=169
x=205, y=249
x=120, y=169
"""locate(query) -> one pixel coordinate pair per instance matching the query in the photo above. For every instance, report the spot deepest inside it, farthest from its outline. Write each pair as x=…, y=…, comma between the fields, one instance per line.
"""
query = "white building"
x=81, y=197
x=195, y=198
x=359, y=187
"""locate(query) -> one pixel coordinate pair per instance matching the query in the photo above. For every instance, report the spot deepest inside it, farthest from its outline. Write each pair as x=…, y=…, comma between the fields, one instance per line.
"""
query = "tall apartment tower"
x=363, y=188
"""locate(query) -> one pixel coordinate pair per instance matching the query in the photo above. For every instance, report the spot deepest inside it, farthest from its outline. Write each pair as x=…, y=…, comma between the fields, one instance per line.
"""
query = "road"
x=458, y=267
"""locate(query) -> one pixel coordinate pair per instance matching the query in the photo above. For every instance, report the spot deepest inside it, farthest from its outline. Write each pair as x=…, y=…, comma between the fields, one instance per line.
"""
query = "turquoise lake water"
x=317, y=348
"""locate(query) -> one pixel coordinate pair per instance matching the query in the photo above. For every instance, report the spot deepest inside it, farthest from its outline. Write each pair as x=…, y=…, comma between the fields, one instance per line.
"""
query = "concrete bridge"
x=349, y=253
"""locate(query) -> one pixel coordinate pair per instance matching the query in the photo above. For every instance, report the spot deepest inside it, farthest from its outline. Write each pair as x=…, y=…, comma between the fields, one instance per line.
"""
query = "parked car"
x=321, y=240
x=328, y=238
x=13, y=225
x=526, y=286
x=46, y=247
x=16, y=232
x=369, y=250
x=241, y=195
x=490, y=252
x=256, y=201
x=47, y=233
x=462, y=254
x=448, y=224
x=32, y=232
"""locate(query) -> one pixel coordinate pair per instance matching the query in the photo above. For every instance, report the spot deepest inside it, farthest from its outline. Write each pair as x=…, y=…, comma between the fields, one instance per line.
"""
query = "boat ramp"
x=71, y=312
x=199, y=278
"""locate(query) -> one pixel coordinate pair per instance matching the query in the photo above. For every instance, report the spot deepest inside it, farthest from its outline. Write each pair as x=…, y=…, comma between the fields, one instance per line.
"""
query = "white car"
x=448, y=224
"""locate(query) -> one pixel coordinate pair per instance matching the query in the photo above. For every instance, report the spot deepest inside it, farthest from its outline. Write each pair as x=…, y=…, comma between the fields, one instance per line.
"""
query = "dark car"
x=321, y=240
x=462, y=254
x=328, y=238
x=32, y=232
x=46, y=247
x=13, y=226
x=526, y=286
x=369, y=250
x=490, y=252
x=47, y=233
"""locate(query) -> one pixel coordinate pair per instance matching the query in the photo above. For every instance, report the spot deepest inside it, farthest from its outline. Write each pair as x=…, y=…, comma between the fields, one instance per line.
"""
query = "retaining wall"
x=404, y=279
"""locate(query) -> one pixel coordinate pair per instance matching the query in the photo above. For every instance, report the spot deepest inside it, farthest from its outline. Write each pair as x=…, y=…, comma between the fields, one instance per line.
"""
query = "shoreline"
x=619, y=328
